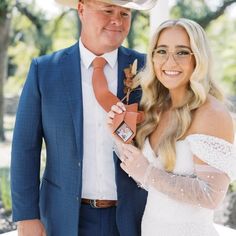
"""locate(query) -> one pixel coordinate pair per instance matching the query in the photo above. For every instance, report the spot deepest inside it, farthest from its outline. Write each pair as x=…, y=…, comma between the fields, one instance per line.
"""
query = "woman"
x=187, y=159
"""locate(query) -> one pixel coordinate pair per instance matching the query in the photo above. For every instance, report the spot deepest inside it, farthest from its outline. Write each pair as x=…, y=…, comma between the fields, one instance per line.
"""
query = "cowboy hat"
x=136, y=4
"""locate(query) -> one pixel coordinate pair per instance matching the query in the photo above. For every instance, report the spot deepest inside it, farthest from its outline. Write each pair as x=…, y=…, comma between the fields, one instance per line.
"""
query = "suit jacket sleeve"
x=26, y=149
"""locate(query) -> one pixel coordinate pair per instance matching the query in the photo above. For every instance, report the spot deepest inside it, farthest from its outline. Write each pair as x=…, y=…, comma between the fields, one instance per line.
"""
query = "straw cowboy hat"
x=136, y=4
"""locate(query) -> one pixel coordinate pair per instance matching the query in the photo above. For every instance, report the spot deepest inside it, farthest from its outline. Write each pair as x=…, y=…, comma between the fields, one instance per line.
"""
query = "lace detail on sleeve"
x=205, y=188
x=215, y=152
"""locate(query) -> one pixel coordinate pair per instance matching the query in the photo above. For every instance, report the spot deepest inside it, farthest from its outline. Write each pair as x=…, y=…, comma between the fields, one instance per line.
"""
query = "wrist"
x=145, y=182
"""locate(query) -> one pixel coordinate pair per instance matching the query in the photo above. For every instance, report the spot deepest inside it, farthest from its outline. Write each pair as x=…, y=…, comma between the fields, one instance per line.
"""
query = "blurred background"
x=30, y=28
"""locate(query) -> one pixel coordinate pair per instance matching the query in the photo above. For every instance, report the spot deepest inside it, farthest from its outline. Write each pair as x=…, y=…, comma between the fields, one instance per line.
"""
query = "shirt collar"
x=87, y=56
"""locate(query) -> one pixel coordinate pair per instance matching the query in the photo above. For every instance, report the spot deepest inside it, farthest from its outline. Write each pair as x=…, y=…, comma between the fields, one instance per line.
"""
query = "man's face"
x=104, y=26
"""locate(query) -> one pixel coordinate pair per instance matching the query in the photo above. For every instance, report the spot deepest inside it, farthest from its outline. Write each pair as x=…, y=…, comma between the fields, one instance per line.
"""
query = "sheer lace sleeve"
x=206, y=187
x=214, y=151
x=208, y=184
x=116, y=149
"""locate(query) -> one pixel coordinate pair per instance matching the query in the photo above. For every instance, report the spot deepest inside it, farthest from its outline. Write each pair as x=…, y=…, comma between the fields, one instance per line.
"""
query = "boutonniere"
x=130, y=73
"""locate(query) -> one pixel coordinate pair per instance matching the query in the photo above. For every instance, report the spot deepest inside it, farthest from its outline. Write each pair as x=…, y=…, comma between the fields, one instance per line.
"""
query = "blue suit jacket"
x=51, y=108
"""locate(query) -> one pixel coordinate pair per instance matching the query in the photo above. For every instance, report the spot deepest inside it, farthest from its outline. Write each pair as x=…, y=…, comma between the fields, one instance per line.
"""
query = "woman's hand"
x=134, y=163
x=115, y=109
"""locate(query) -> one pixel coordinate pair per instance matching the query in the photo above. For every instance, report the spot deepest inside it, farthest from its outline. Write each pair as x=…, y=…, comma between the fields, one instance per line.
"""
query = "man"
x=83, y=191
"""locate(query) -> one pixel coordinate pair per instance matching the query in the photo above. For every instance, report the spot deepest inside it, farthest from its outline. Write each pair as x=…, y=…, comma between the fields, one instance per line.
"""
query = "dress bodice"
x=184, y=160
x=184, y=166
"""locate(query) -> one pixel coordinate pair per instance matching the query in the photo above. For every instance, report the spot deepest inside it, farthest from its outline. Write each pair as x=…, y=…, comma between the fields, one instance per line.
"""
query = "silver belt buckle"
x=93, y=203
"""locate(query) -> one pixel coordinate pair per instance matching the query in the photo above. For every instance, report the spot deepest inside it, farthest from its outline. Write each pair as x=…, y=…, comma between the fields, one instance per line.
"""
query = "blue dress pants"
x=97, y=221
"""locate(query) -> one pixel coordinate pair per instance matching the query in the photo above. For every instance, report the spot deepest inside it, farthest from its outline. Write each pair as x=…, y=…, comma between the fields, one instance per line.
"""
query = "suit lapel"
x=71, y=72
x=124, y=60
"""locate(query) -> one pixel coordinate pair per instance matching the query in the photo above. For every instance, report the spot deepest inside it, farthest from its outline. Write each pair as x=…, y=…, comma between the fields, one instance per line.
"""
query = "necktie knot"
x=99, y=62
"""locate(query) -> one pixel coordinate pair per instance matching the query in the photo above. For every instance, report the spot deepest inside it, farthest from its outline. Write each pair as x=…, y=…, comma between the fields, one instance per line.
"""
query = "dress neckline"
x=189, y=137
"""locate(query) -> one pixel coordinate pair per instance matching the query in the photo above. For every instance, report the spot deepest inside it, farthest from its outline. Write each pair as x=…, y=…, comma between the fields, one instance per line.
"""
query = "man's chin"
x=114, y=43
x=114, y=38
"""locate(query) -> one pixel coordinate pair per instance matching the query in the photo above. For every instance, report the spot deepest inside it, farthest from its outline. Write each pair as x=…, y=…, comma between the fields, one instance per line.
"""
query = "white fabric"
x=98, y=166
x=214, y=151
x=165, y=216
x=137, y=4
x=206, y=187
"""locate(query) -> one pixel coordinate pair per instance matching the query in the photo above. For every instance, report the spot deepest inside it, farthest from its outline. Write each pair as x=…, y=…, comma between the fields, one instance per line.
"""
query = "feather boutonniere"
x=130, y=73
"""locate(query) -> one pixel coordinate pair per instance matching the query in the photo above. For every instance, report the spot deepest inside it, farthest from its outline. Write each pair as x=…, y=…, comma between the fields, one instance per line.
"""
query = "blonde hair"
x=156, y=99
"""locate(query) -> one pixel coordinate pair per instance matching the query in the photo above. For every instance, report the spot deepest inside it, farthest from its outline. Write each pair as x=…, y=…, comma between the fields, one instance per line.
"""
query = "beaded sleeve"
x=209, y=183
x=206, y=187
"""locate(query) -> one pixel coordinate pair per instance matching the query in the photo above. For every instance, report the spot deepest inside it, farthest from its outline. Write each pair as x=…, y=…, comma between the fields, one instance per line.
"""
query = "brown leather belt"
x=99, y=203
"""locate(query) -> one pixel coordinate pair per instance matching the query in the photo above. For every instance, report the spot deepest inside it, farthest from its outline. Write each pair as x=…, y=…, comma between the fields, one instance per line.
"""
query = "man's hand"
x=31, y=228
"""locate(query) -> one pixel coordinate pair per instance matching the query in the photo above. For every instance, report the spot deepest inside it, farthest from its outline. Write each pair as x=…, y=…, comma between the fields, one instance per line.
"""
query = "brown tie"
x=106, y=99
x=100, y=87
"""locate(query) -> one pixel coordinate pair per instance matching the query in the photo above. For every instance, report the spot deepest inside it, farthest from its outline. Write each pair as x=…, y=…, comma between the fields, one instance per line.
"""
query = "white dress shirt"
x=98, y=166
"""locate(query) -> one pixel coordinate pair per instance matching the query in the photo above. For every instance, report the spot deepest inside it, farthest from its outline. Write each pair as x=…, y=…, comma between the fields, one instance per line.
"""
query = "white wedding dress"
x=165, y=216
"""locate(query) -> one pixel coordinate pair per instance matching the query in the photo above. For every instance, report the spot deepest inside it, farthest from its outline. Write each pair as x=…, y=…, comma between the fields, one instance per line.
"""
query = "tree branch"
x=204, y=22
x=34, y=19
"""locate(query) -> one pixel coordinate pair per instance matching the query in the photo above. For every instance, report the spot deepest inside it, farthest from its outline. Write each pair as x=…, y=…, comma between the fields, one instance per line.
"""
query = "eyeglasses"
x=181, y=56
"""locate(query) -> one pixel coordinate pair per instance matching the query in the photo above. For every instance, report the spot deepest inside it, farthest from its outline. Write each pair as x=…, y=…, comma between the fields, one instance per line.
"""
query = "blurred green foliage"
x=5, y=189
x=5, y=7
x=220, y=27
x=30, y=39
x=138, y=37
x=222, y=33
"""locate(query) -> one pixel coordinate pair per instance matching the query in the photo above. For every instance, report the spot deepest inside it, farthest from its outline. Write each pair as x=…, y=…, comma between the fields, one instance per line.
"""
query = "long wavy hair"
x=156, y=98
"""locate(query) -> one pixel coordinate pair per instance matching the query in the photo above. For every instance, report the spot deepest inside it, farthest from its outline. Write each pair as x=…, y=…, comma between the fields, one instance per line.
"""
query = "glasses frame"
x=168, y=56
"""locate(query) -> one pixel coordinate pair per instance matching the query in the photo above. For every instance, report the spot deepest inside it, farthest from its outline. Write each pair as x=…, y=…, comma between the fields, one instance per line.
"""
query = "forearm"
x=209, y=182
x=206, y=188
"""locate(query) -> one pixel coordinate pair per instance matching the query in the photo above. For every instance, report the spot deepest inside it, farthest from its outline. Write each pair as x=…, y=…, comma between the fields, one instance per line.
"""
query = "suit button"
x=79, y=164
x=77, y=198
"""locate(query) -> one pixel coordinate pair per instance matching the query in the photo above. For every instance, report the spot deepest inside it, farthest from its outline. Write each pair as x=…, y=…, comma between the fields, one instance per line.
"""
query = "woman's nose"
x=170, y=58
